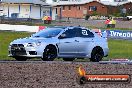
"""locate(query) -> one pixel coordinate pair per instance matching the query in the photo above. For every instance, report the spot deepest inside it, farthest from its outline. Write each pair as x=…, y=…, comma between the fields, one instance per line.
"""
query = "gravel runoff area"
x=56, y=74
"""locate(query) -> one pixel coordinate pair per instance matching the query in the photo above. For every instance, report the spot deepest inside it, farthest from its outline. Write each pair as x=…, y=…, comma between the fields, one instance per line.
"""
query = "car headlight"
x=33, y=44
x=38, y=43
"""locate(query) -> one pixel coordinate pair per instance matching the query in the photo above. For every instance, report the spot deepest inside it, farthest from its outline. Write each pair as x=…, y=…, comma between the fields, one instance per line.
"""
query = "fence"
x=6, y=20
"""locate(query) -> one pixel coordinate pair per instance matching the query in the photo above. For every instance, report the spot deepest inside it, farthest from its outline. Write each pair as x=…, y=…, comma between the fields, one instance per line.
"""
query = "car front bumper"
x=31, y=52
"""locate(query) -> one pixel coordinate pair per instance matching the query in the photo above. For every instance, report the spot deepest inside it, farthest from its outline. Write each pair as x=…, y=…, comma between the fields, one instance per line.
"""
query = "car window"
x=84, y=33
x=70, y=33
x=78, y=32
x=47, y=33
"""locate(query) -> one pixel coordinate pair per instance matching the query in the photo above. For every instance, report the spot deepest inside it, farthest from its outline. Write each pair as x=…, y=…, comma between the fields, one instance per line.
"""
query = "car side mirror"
x=62, y=36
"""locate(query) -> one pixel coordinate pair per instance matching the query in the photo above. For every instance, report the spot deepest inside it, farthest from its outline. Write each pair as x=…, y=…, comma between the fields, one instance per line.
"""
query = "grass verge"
x=5, y=38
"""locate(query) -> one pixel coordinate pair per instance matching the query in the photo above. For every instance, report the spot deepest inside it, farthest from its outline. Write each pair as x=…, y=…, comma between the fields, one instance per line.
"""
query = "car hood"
x=31, y=40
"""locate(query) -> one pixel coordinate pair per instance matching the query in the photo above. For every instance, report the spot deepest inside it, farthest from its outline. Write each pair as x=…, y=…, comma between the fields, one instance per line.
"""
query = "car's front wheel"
x=20, y=58
x=50, y=53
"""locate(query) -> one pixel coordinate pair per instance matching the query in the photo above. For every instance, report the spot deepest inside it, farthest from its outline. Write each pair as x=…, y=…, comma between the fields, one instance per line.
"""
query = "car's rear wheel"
x=68, y=59
x=20, y=58
x=50, y=53
x=97, y=54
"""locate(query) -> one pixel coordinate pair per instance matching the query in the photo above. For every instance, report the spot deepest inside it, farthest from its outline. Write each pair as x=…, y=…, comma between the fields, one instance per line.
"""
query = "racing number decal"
x=84, y=32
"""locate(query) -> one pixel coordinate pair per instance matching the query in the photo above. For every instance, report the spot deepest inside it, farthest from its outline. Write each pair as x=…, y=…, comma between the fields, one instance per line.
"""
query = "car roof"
x=67, y=27
x=63, y=27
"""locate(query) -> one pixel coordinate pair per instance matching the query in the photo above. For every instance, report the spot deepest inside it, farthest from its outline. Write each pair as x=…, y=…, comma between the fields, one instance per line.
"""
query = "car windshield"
x=48, y=33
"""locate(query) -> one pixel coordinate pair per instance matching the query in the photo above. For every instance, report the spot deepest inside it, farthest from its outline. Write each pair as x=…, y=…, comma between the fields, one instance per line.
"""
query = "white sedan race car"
x=60, y=42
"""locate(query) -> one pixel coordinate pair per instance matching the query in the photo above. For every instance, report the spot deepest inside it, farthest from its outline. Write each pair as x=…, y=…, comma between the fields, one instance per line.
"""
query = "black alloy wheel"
x=97, y=55
x=50, y=53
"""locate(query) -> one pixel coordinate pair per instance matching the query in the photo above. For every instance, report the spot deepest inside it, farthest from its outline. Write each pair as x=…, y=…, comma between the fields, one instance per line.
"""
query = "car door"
x=85, y=40
x=67, y=45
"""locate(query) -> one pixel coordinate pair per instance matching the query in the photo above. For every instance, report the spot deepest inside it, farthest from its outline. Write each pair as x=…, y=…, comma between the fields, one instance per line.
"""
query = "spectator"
x=68, y=20
x=107, y=23
x=113, y=22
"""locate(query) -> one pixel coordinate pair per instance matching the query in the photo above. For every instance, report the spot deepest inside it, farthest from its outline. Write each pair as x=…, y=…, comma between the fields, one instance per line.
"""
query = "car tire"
x=128, y=19
x=21, y=58
x=97, y=54
x=50, y=53
x=68, y=59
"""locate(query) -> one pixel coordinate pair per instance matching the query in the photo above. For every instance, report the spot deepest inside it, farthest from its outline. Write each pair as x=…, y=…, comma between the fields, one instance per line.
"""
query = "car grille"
x=18, y=49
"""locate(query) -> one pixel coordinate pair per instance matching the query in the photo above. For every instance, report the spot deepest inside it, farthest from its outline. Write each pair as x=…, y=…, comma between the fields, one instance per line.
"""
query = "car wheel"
x=21, y=58
x=68, y=59
x=128, y=19
x=96, y=55
x=50, y=53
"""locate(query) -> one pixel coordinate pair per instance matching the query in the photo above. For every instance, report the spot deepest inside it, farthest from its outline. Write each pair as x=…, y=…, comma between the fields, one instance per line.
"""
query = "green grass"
x=118, y=48
x=6, y=38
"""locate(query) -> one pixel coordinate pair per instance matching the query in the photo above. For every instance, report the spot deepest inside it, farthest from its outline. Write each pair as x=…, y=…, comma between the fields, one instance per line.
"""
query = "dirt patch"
x=56, y=74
